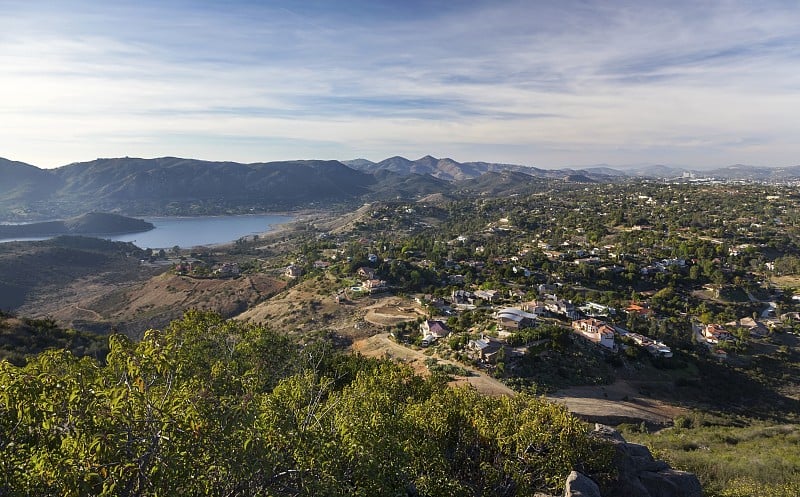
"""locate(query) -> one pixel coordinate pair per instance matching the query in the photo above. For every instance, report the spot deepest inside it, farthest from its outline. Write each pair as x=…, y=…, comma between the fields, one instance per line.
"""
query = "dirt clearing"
x=382, y=346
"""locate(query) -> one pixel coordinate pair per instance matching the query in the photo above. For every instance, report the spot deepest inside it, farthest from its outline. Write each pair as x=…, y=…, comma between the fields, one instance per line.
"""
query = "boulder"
x=639, y=474
x=579, y=485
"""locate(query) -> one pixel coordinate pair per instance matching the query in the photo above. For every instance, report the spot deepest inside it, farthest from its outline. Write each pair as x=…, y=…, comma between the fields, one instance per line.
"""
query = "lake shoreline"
x=190, y=232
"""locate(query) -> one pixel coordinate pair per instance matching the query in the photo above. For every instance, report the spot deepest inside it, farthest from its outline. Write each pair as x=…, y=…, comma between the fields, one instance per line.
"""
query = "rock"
x=607, y=432
x=579, y=485
x=641, y=475
x=637, y=458
x=671, y=483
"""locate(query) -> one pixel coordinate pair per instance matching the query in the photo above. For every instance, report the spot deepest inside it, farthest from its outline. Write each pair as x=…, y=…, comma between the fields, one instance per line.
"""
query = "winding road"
x=612, y=404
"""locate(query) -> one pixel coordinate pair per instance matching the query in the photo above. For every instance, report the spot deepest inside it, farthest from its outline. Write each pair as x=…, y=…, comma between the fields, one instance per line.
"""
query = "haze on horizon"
x=550, y=84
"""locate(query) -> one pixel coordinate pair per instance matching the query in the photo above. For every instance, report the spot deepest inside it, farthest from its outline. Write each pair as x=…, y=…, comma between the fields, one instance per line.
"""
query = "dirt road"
x=610, y=404
x=614, y=404
x=381, y=346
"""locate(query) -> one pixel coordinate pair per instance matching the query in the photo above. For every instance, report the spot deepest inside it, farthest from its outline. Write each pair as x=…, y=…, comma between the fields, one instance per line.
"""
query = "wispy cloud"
x=545, y=83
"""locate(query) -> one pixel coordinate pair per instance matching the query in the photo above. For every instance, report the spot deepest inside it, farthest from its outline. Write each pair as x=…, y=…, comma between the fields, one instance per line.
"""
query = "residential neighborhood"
x=610, y=277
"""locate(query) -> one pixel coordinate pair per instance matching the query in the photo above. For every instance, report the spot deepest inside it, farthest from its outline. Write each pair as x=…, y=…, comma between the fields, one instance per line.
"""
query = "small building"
x=488, y=349
x=487, y=295
x=428, y=340
x=512, y=318
x=596, y=331
x=715, y=333
x=366, y=273
x=755, y=328
x=434, y=328
x=462, y=297
x=293, y=271
x=228, y=269
x=562, y=308
x=374, y=285
x=595, y=310
x=654, y=347
x=640, y=309
x=535, y=307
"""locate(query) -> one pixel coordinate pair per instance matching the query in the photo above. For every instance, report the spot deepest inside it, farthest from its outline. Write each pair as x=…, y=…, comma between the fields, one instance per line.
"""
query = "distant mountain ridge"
x=174, y=186
x=178, y=186
x=446, y=169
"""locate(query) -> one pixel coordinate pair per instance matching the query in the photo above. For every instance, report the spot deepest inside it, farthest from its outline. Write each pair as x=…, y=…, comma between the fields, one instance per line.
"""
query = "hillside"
x=24, y=183
x=499, y=183
x=29, y=269
x=93, y=223
x=392, y=185
x=174, y=186
x=22, y=338
x=153, y=303
x=444, y=169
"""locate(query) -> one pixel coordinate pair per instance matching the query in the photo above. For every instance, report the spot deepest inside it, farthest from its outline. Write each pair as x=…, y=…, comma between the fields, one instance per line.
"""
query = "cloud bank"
x=550, y=84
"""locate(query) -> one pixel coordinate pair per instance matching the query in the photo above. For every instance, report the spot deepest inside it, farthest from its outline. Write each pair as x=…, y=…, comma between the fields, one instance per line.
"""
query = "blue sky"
x=544, y=83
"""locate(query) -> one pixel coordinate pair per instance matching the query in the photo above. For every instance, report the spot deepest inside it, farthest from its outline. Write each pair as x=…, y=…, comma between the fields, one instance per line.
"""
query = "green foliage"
x=22, y=338
x=448, y=369
x=215, y=407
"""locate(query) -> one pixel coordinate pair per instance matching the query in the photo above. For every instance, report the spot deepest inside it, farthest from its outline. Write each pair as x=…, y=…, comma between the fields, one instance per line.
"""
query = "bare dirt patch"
x=382, y=346
x=391, y=311
x=613, y=404
x=311, y=306
x=616, y=403
x=786, y=281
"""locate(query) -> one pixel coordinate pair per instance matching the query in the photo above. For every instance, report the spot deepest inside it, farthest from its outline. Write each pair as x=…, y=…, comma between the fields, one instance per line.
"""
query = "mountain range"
x=177, y=186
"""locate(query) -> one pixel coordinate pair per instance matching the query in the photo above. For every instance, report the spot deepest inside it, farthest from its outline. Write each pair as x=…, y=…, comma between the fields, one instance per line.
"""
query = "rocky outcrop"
x=639, y=474
x=579, y=485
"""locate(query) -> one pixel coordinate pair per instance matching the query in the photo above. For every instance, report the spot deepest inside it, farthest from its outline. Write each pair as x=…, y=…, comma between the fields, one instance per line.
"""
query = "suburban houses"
x=519, y=280
x=715, y=333
x=432, y=330
x=595, y=331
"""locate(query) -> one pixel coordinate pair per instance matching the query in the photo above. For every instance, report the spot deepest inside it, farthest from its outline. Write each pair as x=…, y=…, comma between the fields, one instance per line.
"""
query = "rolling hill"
x=28, y=267
x=174, y=186
x=93, y=223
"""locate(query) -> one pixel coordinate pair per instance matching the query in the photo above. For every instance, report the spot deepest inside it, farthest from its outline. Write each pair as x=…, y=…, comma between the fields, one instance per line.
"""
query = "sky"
x=545, y=83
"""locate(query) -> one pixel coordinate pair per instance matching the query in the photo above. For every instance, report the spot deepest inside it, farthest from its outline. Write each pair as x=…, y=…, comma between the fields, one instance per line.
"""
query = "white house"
x=596, y=331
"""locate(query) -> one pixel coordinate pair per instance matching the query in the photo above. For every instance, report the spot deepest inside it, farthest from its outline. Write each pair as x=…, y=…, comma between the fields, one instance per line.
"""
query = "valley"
x=633, y=304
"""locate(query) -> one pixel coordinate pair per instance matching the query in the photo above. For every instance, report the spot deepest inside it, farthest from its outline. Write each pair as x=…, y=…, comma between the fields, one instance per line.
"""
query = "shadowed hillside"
x=94, y=223
x=28, y=267
x=174, y=186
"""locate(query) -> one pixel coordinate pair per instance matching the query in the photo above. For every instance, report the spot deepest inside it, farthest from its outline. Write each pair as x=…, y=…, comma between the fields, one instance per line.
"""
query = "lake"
x=188, y=232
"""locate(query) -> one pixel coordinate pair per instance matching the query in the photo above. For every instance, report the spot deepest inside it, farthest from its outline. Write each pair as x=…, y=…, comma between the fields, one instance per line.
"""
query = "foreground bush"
x=214, y=407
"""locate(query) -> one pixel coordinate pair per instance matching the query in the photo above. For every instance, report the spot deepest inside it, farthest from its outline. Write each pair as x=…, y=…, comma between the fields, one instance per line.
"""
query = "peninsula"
x=93, y=223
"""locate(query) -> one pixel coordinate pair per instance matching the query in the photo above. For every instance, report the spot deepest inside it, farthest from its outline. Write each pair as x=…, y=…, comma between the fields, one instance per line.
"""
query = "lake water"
x=188, y=232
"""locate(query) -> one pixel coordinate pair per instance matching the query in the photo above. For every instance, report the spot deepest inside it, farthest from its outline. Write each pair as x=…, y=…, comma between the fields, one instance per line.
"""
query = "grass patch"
x=786, y=281
x=754, y=460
